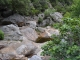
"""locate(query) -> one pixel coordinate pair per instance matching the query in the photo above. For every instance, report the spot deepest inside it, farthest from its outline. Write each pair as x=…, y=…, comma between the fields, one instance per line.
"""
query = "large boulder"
x=26, y=49
x=15, y=19
x=11, y=32
x=56, y=16
x=29, y=33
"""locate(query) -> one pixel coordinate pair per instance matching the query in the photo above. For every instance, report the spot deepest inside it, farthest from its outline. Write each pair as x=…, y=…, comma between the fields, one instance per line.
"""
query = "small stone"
x=35, y=57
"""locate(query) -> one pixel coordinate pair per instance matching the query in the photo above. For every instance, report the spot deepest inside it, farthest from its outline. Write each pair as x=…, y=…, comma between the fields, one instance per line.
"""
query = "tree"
x=76, y=8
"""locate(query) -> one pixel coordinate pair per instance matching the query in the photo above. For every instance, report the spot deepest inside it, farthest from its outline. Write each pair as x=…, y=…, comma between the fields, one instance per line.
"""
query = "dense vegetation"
x=66, y=46
x=33, y=7
x=24, y=7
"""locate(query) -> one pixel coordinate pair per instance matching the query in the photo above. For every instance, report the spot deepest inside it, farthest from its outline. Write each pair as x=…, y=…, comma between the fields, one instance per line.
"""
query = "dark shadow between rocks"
x=2, y=46
x=42, y=39
x=6, y=23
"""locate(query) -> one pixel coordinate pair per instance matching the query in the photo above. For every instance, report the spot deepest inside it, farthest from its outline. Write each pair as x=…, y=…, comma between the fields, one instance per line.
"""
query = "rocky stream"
x=24, y=36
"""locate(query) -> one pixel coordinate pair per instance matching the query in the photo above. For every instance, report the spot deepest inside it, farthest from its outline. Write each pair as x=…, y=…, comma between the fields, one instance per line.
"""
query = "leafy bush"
x=65, y=46
x=67, y=14
x=49, y=11
x=5, y=3
x=62, y=5
x=34, y=11
x=19, y=6
x=40, y=5
x=76, y=8
x=25, y=7
x=44, y=4
x=22, y=6
x=1, y=35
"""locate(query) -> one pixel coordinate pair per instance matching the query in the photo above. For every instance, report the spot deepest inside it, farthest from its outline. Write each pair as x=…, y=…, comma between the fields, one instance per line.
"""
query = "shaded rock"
x=15, y=19
x=29, y=33
x=11, y=32
x=43, y=39
x=6, y=13
x=2, y=46
x=35, y=57
x=56, y=16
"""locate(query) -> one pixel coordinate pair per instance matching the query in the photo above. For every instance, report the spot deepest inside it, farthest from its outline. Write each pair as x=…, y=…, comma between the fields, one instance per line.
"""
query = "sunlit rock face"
x=30, y=34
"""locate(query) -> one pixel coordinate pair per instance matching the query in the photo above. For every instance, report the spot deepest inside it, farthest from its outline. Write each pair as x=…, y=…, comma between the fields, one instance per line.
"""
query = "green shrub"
x=62, y=5
x=67, y=14
x=22, y=6
x=76, y=8
x=44, y=4
x=65, y=46
x=34, y=11
x=49, y=11
x=25, y=7
x=19, y=6
x=40, y=20
x=40, y=5
x=5, y=3
x=1, y=35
